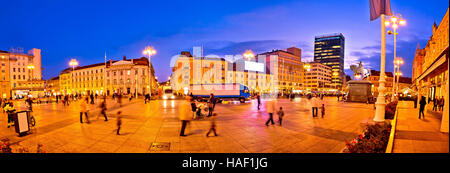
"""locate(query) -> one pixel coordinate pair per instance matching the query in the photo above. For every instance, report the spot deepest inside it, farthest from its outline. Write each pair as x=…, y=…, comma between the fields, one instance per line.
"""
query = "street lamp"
x=149, y=51
x=397, y=64
x=248, y=54
x=73, y=63
x=30, y=69
x=395, y=21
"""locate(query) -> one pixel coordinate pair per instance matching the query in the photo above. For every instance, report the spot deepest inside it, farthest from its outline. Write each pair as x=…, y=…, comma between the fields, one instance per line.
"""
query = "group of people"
x=84, y=110
x=9, y=109
x=191, y=109
x=438, y=104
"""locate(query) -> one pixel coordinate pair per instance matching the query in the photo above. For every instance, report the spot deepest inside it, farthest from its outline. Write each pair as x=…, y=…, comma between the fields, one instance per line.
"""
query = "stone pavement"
x=414, y=135
x=240, y=127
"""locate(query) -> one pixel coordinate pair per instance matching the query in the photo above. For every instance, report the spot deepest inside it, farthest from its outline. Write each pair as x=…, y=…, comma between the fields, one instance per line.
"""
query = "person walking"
x=103, y=109
x=119, y=122
x=9, y=109
x=258, y=98
x=92, y=99
x=212, y=128
x=83, y=110
x=213, y=100
x=422, y=104
x=185, y=114
x=210, y=108
x=434, y=104
x=271, y=108
x=280, y=115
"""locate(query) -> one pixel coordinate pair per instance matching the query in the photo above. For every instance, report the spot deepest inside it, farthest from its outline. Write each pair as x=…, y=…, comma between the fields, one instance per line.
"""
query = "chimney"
x=124, y=58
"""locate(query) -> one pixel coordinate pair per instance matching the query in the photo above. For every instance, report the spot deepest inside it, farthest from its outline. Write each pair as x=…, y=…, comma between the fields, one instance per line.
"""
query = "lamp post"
x=381, y=103
x=395, y=21
x=73, y=63
x=397, y=64
x=149, y=51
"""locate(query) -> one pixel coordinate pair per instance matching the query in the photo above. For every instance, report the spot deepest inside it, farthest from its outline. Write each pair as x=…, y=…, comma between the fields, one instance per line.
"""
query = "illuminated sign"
x=254, y=66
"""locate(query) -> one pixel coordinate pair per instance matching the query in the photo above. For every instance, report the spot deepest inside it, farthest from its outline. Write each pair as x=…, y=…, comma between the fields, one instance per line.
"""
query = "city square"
x=249, y=87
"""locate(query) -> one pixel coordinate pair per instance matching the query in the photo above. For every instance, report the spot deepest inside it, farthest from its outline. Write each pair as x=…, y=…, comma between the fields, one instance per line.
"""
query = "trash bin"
x=21, y=122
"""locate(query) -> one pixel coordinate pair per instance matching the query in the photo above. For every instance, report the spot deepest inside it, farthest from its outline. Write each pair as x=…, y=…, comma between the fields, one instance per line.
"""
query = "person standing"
x=337, y=96
x=280, y=115
x=271, y=108
x=9, y=109
x=213, y=100
x=83, y=110
x=441, y=104
x=258, y=98
x=185, y=114
x=315, y=105
x=210, y=107
x=323, y=108
x=119, y=122
x=213, y=125
x=422, y=104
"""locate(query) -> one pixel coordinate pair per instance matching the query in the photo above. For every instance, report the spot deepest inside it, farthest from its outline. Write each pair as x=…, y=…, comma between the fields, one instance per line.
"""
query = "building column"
x=444, y=121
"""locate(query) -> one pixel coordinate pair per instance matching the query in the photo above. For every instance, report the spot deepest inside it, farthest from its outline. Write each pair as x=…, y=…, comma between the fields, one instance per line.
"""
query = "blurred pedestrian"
x=185, y=114
x=441, y=104
x=280, y=115
x=119, y=121
x=103, y=109
x=84, y=110
x=210, y=107
x=92, y=99
x=119, y=99
x=212, y=128
x=147, y=97
x=258, y=98
x=212, y=100
x=271, y=109
x=435, y=104
x=422, y=104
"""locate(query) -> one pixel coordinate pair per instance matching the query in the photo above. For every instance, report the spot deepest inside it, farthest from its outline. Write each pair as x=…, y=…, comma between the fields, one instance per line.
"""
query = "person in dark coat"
x=258, y=98
x=422, y=104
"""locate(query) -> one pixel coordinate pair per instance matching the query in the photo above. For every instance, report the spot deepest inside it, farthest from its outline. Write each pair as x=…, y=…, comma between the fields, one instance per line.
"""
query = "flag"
x=378, y=7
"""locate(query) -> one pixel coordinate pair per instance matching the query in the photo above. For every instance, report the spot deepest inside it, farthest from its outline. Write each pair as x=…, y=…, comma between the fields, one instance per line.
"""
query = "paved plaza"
x=241, y=128
x=414, y=135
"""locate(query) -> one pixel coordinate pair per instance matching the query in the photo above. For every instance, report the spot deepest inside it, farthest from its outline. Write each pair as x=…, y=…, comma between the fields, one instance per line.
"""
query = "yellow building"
x=189, y=70
x=52, y=86
x=17, y=66
x=289, y=69
x=374, y=77
x=126, y=76
x=318, y=77
x=5, y=88
x=430, y=67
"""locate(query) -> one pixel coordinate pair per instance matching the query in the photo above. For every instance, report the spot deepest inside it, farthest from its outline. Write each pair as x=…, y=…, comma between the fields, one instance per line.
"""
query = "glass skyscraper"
x=329, y=50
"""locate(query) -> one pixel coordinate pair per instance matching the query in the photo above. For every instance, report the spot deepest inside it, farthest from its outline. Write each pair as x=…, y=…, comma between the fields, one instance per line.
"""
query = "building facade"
x=374, y=77
x=18, y=67
x=190, y=70
x=318, y=77
x=291, y=74
x=127, y=76
x=329, y=50
x=430, y=67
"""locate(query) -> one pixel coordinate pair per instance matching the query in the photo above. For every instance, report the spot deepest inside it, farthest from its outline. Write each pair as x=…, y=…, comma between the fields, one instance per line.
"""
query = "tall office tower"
x=329, y=50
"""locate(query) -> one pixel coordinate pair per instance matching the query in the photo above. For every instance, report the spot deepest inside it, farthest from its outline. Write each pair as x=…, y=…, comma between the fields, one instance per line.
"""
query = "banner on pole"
x=378, y=7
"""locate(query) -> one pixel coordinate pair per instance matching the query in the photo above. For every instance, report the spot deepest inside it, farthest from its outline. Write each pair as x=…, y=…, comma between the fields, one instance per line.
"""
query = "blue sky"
x=85, y=30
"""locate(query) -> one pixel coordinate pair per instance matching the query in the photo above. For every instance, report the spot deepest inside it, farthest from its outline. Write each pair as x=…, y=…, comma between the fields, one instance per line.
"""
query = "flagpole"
x=381, y=104
x=104, y=77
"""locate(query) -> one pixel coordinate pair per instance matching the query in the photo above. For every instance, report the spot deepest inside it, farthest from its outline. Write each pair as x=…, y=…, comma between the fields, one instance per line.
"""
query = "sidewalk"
x=414, y=135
